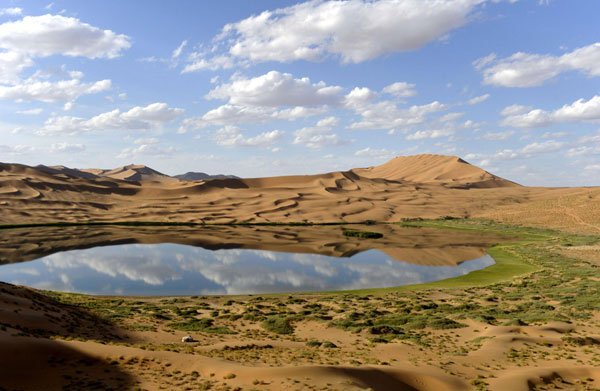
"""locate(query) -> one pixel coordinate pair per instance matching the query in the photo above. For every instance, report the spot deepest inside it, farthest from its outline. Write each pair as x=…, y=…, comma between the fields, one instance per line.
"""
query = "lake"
x=156, y=261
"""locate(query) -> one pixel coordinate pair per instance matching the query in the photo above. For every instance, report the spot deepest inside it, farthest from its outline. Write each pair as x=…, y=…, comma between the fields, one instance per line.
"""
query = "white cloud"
x=45, y=35
x=382, y=154
x=528, y=151
x=430, y=134
x=543, y=147
x=328, y=122
x=530, y=70
x=11, y=65
x=231, y=136
x=354, y=31
x=586, y=145
x=479, y=99
x=319, y=136
x=275, y=89
x=11, y=11
x=578, y=111
x=179, y=49
x=515, y=109
x=483, y=61
x=235, y=114
x=498, y=136
x=214, y=63
x=450, y=117
x=387, y=115
x=359, y=97
x=30, y=112
x=138, y=118
x=66, y=148
x=147, y=150
x=47, y=91
x=400, y=89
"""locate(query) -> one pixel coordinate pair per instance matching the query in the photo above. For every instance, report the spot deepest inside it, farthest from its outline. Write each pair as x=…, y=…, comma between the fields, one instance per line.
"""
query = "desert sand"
x=534, y=331
x=426, y=186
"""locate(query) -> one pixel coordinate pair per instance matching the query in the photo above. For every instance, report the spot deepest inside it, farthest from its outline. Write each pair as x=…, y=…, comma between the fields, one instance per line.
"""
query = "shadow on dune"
x=31, y=360
x=43, y=364
x=379, y=379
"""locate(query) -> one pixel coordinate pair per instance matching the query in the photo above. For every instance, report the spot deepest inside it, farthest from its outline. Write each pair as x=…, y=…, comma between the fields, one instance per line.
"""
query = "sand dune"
x=428, y=186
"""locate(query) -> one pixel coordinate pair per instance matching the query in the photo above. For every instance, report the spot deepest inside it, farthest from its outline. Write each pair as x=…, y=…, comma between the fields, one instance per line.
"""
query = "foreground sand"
x=535, y=331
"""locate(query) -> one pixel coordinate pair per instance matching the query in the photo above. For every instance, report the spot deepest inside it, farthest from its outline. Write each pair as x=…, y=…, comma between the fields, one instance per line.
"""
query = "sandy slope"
x=427, y=186
x=87, y=353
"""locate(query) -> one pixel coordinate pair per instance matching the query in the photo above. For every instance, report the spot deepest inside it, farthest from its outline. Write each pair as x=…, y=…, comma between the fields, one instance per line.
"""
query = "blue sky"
x=280, y=87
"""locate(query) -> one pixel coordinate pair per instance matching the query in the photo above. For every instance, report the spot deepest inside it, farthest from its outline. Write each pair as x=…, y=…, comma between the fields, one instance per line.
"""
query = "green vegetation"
x=203, y=324
x=278, y=325
x=362, y=234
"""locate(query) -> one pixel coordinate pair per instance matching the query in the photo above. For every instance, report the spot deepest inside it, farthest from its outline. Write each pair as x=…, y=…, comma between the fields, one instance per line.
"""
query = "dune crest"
x=450, y=171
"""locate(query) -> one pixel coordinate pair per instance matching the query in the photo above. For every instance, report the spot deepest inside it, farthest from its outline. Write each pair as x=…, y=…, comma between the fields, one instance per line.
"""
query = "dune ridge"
x=428, y=186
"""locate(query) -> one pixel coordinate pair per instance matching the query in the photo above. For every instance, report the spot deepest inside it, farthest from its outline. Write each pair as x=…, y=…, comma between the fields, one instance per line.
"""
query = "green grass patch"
x=278, y=325
x=204, y=325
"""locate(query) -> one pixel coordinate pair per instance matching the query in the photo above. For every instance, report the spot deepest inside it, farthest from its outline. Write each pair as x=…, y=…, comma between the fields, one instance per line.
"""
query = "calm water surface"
x=176, y=269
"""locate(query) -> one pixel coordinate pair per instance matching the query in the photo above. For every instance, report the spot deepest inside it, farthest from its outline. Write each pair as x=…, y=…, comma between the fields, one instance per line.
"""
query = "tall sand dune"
x=428, y=186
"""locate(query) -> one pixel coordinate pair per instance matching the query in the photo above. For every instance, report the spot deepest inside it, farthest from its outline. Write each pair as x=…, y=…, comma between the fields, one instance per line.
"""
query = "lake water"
x=183, y=269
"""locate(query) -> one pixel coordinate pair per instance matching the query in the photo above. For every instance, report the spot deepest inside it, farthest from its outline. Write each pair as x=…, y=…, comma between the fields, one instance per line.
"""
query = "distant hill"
x=73, y=172
x=198, y=176
x=131, y=172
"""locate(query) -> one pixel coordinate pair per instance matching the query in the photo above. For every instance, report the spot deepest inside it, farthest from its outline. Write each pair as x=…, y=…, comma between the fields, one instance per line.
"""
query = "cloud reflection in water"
x=172, y=269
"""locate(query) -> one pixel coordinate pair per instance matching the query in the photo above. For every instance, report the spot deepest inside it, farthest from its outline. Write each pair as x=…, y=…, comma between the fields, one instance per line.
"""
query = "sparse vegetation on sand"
x=536, y=310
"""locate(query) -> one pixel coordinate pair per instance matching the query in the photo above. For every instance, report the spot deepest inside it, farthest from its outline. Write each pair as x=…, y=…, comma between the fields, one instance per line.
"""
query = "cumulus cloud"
x=236, y=114
x=531, y=70
x=11, y=11
x=400, y=89
x=48, y=91
x=138, y=118
x=586, y=145
x=578, y=111
x=319, y=136
x=231, y=136
x=45, y=35
x=354, y=31
x=528, y=151
x=386, y=114
x=275, y=89
x=430, y=134
x=11, y=66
